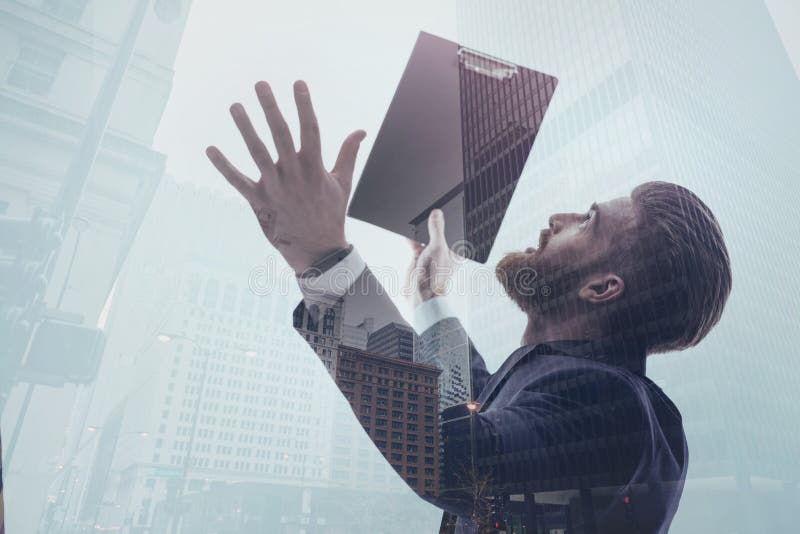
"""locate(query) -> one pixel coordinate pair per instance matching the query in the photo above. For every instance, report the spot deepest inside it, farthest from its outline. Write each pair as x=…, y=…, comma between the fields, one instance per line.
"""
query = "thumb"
x=436, y=228
x=346, y=161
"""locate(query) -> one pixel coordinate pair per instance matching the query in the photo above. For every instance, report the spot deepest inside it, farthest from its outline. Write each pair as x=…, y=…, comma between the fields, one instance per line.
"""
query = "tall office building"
x=700, y=94
x=219, y=395
x=396, y=401
x=357, y=335
x=56, y=56
x=445, y=346
x=394, y=340
x=501, y=107
x=213, y=383
x=501, y=113
x=322, y=329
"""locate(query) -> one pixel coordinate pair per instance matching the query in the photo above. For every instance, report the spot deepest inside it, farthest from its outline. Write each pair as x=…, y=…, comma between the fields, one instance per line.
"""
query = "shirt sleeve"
x=430, y=312
x=334, y=283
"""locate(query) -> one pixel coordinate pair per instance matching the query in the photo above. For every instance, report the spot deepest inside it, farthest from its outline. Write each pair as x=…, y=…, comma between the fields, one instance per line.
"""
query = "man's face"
x=573, y=247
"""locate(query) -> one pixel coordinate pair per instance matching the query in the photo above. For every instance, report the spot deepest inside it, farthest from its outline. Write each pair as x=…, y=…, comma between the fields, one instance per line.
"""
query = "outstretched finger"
x=242, y=183
x=436, y=228
x=309, y=127
x=254, y=144
x=281, y=135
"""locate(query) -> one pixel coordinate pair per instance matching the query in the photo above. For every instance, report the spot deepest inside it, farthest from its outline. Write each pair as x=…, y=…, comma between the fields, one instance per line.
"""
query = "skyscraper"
x=445, y=346
x=698, y=94
x=216, y=386
x=57, y=55
x=322, y=330
x=357, y=335
x=500, y=117
x=394, y=340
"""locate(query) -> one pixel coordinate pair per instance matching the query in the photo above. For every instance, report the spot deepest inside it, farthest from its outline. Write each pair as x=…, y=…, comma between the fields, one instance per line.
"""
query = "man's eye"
x=586, y=220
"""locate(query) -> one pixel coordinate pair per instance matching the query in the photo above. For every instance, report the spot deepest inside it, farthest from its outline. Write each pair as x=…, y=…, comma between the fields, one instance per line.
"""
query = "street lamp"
x=163, y=338
x=472, y=408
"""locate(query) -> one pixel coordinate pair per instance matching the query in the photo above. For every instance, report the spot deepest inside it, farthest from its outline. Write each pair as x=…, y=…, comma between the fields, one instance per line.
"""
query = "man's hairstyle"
x=678, y=266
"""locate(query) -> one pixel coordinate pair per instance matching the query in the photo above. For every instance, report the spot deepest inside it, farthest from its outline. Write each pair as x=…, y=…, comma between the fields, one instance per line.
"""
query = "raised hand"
x=299, y=204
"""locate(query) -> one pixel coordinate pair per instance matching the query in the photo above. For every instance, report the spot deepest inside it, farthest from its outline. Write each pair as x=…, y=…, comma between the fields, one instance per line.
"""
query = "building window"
x=193, y=284
x=298, y=315
x=229, y=298
x=328, y=322
x=312, y=324
x=246, y=302
x=36, y=68
x=211, y=294
x=68, y=10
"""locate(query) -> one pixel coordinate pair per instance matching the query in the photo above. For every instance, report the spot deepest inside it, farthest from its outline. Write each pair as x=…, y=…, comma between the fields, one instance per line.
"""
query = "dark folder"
x=456, y=137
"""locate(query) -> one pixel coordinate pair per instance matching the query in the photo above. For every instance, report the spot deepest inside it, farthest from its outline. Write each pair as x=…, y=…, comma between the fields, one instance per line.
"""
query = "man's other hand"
x=299, y=204
x=433, y=265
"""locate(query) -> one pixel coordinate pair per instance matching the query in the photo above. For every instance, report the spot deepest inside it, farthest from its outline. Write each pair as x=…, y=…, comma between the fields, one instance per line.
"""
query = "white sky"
x=351, y=53
x=786, y=15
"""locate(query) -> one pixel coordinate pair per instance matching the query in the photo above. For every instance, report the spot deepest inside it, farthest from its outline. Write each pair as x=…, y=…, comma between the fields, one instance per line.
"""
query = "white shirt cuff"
x=430, y=312
x=333, y=284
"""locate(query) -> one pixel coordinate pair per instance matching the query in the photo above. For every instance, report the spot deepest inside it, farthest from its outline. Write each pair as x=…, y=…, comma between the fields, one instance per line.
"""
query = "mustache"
x=544, y=238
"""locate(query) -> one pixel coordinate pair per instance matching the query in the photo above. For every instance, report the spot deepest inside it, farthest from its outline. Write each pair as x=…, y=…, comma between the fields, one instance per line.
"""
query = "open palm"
x=299, y=204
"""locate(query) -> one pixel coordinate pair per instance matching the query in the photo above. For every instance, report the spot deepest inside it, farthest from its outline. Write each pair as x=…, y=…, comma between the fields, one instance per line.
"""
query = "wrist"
x=315, y=262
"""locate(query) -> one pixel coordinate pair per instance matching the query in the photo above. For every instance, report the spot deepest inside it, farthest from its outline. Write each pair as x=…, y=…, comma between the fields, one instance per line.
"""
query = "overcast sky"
x=352, y=54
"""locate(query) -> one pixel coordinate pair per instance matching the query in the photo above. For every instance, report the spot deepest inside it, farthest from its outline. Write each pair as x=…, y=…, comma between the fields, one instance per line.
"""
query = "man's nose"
x=556, y=223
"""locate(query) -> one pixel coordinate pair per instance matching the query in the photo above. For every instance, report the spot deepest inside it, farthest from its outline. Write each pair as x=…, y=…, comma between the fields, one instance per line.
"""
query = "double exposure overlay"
x=455, y=267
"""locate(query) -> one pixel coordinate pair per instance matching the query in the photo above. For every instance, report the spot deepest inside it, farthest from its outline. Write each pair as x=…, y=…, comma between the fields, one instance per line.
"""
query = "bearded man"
x=569, y=427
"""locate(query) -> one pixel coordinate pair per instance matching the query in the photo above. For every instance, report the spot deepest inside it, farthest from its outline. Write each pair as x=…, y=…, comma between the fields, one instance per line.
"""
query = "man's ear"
x=602, y=289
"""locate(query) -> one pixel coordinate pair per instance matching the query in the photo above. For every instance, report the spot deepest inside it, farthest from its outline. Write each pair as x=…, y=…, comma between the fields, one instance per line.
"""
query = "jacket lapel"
x=501, y=373
x=580, y=348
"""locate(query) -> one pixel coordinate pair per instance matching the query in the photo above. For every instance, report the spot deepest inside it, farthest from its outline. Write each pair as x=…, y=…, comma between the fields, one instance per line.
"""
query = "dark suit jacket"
x=599, y=447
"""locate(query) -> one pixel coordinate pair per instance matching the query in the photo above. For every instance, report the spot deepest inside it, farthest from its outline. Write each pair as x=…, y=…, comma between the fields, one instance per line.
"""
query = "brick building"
x=396, y=402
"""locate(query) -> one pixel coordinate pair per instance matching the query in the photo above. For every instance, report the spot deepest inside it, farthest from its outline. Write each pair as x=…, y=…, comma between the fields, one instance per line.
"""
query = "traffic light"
x=27, y=248
x=63, y=352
